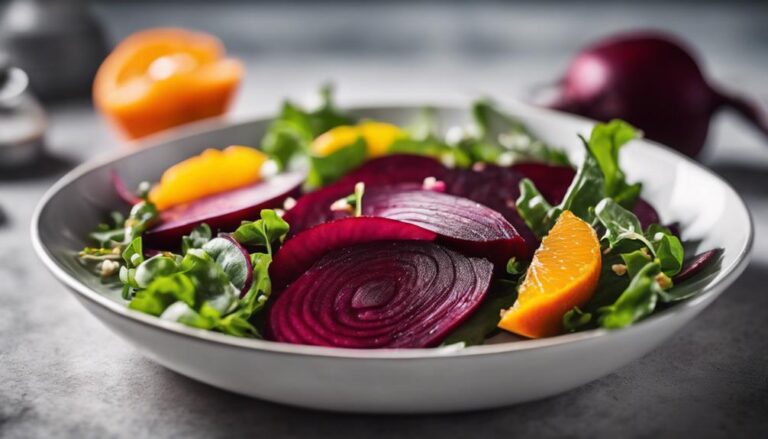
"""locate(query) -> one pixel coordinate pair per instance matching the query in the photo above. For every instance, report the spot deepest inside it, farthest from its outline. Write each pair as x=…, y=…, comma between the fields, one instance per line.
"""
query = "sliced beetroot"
x=498, y=187
x=224, y=211
x=122, y=190
x=396, y=168
x=469, y=226
x=304, y=249
x=697, y=264
x=234, y=259
x=645, y=213
x=315, y=207
x=394, y=294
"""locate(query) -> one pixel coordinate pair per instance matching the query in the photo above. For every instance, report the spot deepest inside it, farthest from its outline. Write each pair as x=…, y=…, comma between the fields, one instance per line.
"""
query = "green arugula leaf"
x=636, y=302
x=534, y=209
x=585, y=191
x=620, y=224
x=197, y=238
x=270, y=229
x=604, y=144
x=327, y=169
x=668, y=249
x=485, y=320
x=261, y=288
x=635, y=261
x=576, y=319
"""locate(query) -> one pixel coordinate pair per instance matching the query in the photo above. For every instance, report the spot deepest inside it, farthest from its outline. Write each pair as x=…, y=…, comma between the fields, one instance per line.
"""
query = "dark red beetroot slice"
x=498, y=188
x=314, y=207
x=121, y=190
x=396, y=168
x=460, y=222
x=224, y=211
x=696, y=264
x=394, y=294
x=303, y=250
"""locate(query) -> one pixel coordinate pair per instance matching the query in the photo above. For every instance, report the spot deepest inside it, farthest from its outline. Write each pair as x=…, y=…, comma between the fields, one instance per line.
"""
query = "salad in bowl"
x=358, y=233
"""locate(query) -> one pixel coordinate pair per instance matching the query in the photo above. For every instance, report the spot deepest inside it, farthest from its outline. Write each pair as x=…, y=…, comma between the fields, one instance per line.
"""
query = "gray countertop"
x=63, y=374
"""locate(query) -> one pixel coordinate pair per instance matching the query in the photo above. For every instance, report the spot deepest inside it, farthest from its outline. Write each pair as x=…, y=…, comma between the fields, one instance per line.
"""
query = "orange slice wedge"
x=563, y=274
x=160, y=78
x=378, y=136
x=213, y=171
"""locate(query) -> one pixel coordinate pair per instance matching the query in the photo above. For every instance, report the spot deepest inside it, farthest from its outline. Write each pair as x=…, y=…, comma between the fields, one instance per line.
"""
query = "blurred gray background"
x=63, y=374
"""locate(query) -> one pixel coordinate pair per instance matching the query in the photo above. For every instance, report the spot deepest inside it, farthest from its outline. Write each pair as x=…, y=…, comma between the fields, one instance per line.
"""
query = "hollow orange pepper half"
x=161, y=78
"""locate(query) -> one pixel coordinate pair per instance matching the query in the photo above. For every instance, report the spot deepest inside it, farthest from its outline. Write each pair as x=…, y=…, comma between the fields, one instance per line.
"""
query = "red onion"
x=650, y=80
x=224, y=211
x=462, y=223
x=303, y=250
x=391, y=294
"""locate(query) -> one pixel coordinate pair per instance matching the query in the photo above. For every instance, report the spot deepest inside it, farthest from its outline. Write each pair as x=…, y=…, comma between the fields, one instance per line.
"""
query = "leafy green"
x=636, y=302
x=484, y=321
x=503, y=138
x=667, y=247
x=230, y=258
x=604, y=144
x=292, y=132
x=620, y=224
x=431, y=147
x=271, y=228
x=133, y=255
x=576, y=319
x=327, y=169
x=635, y=261
x=154, y=267
x=197, y=238
x=534, y=209
x=162, y=292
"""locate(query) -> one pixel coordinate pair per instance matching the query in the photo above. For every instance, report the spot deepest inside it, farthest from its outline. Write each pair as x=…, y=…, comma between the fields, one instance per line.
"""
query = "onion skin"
x=391, y=294
x=224, y=211
x=461, y=223
x=299, y=253
x=650, y=80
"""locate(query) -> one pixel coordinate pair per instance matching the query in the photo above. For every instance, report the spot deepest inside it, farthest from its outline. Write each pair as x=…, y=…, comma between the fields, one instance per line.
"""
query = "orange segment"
x=563, y=274
x=160, y=78
x=378, y=136
x=211, y=172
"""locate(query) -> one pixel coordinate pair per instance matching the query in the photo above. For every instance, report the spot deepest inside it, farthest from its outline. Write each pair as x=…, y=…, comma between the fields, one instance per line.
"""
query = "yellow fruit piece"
x=213, y=171
x=378, y=136
x=563, y=274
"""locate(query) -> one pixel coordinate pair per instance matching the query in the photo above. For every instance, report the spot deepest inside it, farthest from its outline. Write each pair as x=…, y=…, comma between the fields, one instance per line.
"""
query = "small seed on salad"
x=619, y=269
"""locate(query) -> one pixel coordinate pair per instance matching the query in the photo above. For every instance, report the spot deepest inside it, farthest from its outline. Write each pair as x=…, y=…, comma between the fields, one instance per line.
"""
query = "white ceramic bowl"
x=505, y=372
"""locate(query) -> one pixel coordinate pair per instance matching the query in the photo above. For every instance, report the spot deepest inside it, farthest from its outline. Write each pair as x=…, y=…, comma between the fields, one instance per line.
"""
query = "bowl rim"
x=730, y=273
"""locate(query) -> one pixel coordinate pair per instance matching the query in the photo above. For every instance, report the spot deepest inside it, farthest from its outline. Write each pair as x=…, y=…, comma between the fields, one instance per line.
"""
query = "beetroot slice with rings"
x=303, y=250
x=393, y=294
x=315, y=207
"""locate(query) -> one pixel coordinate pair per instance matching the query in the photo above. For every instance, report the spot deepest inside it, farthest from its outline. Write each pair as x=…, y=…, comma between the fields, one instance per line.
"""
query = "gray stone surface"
x=62, y=374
